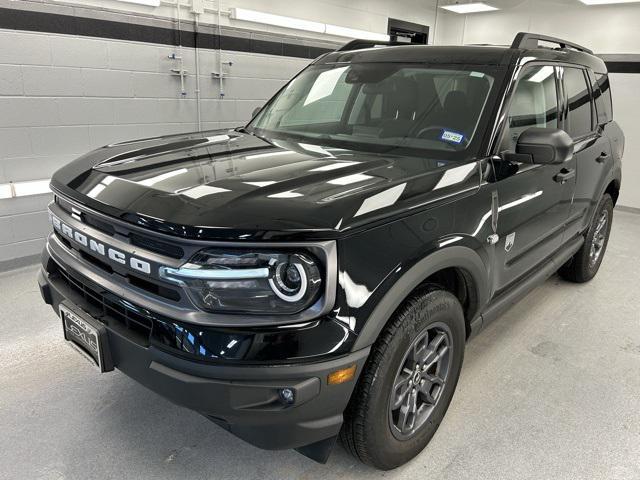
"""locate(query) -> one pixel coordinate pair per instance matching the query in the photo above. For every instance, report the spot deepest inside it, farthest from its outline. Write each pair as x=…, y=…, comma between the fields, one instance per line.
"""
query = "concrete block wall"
x=62, y=95
x=68, y=95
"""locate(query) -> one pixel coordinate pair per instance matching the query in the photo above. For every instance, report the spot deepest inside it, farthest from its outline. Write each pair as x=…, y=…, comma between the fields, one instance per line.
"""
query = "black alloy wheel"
x=420, y=380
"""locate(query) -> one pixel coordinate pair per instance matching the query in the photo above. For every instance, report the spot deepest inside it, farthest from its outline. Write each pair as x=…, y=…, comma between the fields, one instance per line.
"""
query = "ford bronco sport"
x=316, y=273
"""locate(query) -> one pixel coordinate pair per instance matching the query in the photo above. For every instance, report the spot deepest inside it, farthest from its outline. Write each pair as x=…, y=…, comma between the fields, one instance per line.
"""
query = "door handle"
x=603, y=157
x=565, y=175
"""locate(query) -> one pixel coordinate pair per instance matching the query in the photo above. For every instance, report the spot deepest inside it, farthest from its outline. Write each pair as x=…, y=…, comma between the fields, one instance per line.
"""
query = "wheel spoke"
x=435, y=357
x=407, y=415
x=419, y=350
x=400, y=390
x=426, y=388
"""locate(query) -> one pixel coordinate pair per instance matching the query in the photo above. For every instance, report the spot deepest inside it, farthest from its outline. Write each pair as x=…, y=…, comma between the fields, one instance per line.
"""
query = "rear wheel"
x=584, y=265
x=408, y=381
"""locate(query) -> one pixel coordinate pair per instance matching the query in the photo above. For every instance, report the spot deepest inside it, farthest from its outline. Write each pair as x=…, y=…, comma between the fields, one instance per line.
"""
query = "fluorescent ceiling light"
x=202, y=191
x=455, y=175
x=384, y=199
x=324, y=85
x=277, y=20
x=288, y=194
x=149, y=3
x=349, y=179
x=35, y=187
x=474, y=7
x=542, y=74
x=353, y=33
x=332, y=166
x=163, y=176
x=315, y=149
x=300, y=24
x=218, y=138
x=5, y=190
x=273, y=154
x=266, y=183
x=607, y=2
x=97, y=190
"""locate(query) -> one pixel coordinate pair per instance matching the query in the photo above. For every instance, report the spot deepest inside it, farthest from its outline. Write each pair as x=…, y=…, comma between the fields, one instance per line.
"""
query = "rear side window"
x=602, y=95
x=577, y=90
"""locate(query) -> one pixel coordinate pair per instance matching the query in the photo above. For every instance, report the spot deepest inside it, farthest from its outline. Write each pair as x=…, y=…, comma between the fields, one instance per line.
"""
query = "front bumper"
x=244, y=399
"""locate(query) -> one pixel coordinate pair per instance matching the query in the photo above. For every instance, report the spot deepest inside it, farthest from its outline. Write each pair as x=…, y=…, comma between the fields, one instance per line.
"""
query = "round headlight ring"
x=278, y=284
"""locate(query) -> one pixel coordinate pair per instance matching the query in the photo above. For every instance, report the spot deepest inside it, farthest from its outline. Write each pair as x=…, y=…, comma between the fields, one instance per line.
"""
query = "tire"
x=370, y=431
x=583, y=266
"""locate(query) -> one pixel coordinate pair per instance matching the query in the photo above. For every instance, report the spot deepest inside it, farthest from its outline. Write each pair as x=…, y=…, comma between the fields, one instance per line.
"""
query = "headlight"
x=249, y=281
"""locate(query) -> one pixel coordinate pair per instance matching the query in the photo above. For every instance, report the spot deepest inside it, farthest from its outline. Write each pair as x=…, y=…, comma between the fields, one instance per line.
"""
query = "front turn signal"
x=341, y=376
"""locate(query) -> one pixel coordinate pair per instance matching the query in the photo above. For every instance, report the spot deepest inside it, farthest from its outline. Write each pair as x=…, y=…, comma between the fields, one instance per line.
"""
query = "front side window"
x=579, y=102
x=534, y=103
x=382, y=106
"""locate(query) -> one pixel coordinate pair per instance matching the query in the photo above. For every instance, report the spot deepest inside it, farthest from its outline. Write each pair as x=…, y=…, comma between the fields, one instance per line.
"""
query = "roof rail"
x=530, y=40
x=358, y=44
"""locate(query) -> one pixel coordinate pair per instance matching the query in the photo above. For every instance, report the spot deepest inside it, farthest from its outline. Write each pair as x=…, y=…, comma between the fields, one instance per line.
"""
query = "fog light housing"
x=287, y=396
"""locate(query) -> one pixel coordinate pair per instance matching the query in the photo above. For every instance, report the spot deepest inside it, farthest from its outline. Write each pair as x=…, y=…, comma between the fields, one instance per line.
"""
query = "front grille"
x=156, y=246
x=134, y=322
x=98, y=224
x=142, y=283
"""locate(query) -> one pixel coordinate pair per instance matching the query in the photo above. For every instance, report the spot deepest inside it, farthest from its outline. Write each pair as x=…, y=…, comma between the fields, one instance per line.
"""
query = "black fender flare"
x=461, y=257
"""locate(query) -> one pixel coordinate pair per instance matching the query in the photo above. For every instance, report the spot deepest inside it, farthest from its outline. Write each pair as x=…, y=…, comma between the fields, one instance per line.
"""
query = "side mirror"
x=545, y=145
x=255, y=111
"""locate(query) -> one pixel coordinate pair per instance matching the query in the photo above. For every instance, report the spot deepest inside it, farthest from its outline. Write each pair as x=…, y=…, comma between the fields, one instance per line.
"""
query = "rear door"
x=533, y=205
x=592, y=150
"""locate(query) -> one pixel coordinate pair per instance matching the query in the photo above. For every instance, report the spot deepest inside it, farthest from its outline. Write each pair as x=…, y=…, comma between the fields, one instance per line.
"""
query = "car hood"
x=225, y=184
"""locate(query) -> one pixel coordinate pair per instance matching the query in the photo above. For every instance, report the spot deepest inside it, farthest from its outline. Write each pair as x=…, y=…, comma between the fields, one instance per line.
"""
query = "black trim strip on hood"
x=33, y=21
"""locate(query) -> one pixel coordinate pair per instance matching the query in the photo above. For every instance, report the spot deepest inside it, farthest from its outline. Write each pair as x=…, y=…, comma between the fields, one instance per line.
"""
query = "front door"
x=533, y=202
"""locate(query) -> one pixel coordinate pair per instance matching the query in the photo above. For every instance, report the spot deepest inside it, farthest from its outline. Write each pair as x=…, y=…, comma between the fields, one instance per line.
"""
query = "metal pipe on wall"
x=197, y=54
x=220, y=50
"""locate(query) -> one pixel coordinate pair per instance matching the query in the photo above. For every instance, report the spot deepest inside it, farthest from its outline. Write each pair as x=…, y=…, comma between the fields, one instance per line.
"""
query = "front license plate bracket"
x=87, y=336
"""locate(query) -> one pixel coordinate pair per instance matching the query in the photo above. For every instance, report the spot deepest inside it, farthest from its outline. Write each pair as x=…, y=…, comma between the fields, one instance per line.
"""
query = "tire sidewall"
x=434, y=307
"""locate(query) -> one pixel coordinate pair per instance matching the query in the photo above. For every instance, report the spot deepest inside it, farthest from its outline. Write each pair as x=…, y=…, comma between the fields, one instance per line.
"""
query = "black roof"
x=423, y=54
x=524, y=45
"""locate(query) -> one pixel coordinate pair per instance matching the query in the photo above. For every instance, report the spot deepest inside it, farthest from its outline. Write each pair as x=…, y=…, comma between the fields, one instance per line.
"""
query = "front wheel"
x=584, y=265
x=408, y=381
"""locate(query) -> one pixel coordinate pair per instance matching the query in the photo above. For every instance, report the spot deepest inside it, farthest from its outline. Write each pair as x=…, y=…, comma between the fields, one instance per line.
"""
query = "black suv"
x=316, y=273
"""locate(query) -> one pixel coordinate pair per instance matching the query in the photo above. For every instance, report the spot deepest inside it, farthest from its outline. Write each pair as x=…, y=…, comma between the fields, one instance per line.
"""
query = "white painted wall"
x=606, y=29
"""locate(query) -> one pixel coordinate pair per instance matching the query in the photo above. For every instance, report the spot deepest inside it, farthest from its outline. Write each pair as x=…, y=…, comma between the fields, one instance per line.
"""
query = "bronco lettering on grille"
x=100, y=248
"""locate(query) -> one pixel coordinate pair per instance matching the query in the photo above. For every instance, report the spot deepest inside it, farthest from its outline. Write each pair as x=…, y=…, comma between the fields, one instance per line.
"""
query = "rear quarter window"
x=602, y=94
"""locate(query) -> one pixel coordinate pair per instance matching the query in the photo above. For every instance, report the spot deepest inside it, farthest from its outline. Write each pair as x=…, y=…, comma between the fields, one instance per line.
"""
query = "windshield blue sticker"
x=449, y=136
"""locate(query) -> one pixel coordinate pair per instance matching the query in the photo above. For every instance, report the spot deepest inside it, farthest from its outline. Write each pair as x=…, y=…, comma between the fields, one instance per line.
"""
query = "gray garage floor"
x=550, y=390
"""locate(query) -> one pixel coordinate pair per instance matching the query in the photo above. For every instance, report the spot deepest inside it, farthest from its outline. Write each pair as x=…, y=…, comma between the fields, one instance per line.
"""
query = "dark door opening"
x=408, y=32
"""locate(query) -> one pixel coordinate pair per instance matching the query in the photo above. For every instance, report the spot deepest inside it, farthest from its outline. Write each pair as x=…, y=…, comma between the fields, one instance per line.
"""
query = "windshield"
x=382, y=106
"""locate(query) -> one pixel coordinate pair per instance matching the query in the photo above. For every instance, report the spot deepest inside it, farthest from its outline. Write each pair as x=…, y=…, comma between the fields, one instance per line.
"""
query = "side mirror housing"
x=255, y=111
x=545, y=145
